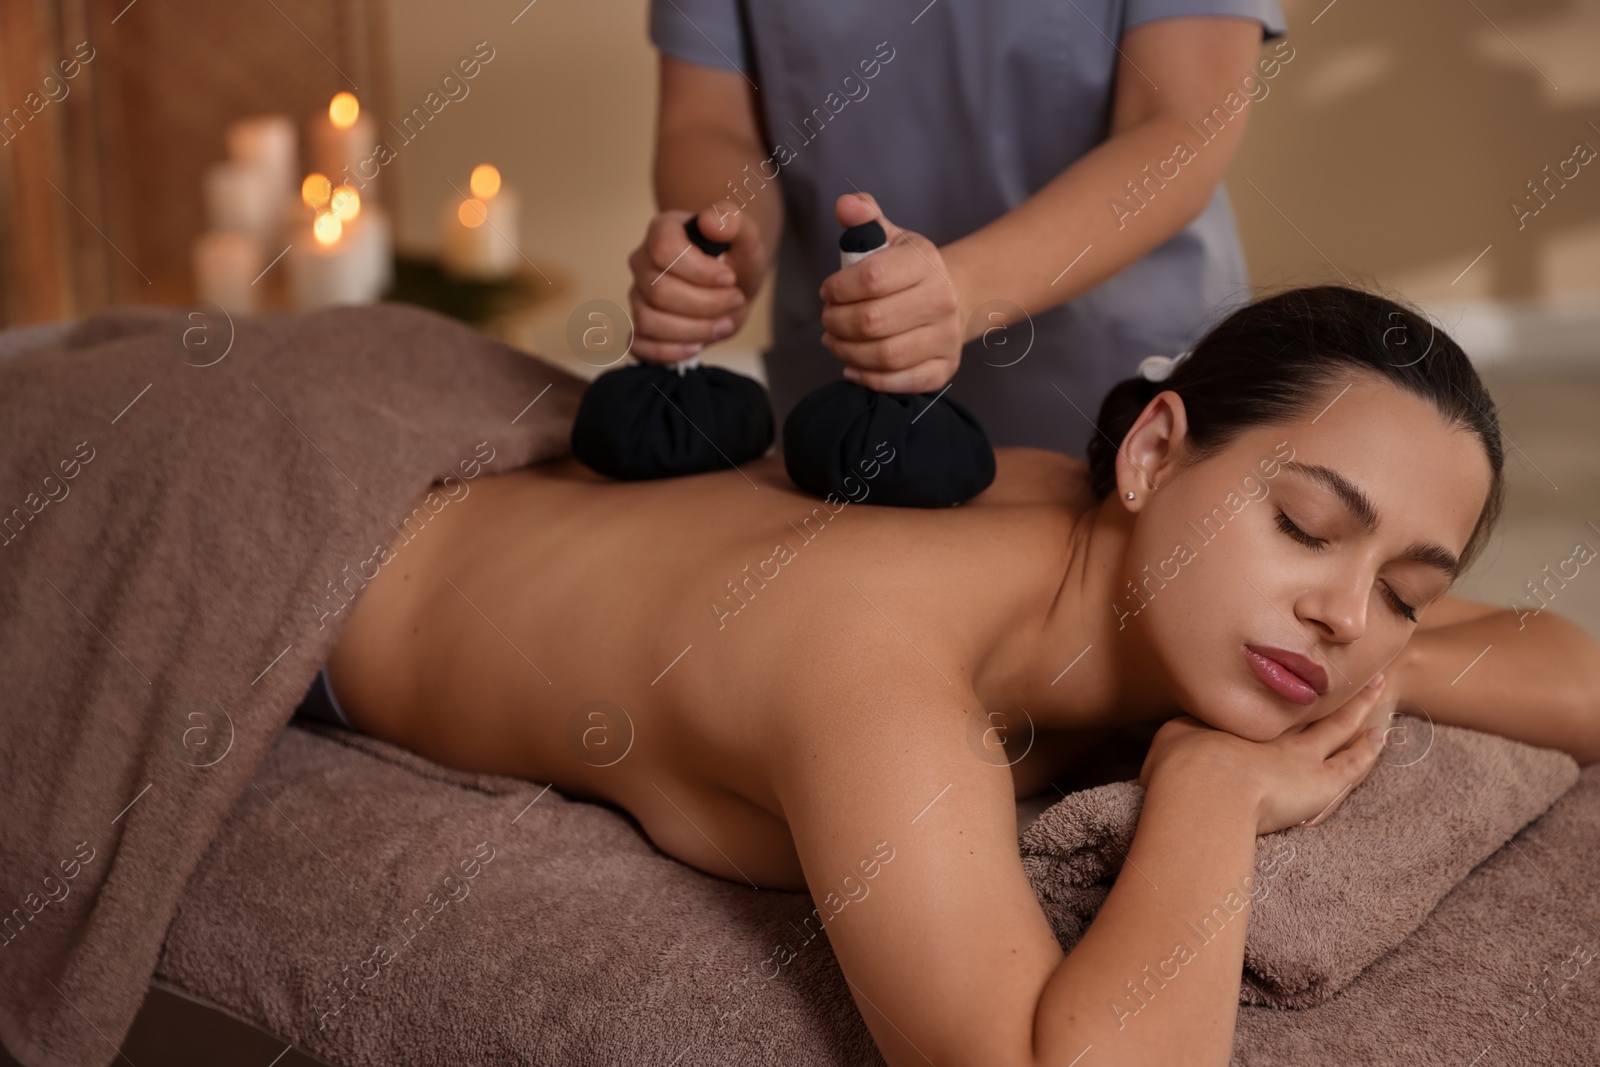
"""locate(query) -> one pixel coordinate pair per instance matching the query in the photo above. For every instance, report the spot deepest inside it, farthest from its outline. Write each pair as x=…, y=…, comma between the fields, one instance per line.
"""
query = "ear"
x=1151, y=451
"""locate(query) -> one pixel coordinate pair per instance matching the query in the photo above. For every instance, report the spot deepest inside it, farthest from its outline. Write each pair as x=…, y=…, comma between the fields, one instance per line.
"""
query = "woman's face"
x=1371, y=476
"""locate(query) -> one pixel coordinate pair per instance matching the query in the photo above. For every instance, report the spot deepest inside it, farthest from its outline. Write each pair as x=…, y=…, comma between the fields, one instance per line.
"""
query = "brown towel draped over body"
x=172, y=531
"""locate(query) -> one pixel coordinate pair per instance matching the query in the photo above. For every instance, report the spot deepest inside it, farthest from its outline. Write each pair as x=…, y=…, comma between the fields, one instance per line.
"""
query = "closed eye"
x=1317, y=544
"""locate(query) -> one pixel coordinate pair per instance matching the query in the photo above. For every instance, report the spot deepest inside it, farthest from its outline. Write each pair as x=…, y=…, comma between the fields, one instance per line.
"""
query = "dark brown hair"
x=1269, y=361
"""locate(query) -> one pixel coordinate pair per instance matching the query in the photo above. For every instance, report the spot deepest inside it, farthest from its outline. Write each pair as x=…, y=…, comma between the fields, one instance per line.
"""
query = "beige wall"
x=1391, y=144
x=1399, y=134
x=566, y=109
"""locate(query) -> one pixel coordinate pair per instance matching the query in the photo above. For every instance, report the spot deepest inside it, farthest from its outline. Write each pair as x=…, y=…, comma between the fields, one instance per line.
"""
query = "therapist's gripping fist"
x=683, y=299
x=893, y=318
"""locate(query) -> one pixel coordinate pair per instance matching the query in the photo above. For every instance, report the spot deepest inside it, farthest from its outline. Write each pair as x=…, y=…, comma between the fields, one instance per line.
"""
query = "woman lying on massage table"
x=802, y=695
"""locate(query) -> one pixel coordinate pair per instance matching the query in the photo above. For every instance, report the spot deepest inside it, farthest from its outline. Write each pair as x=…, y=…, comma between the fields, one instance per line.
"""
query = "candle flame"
x=345, y=203
x=472, y=213
x=343, y=109
x=315, y=190
x=327, y=228
x=485, y=181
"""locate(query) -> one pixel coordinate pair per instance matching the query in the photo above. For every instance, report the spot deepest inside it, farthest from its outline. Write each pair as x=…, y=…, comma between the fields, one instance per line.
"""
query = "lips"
x=1302, y=668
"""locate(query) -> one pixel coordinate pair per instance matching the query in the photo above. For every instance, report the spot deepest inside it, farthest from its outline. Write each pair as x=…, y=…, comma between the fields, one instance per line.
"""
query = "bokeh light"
x=343, y=110
x=315, y=190
x=345, y=202
x=485, y=181
x=327, y=227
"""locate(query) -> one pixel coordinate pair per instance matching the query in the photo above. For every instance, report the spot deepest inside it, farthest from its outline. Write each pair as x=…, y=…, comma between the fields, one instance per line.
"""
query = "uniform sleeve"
x=706, y=32
x=1266, y=12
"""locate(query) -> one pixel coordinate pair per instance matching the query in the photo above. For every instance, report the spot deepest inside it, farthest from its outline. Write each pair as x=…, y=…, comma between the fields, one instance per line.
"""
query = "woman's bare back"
x=627, y=642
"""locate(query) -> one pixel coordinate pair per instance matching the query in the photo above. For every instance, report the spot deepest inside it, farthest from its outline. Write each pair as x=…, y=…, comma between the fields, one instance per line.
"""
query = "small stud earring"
x=1130, y=494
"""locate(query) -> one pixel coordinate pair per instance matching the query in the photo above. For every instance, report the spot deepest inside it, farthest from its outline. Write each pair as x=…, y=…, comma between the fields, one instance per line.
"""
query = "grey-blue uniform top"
x=952, y=114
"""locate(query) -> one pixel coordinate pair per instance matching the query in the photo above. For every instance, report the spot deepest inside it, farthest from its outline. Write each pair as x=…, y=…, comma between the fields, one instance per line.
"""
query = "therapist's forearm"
x=693, y=169
x=1030, y=256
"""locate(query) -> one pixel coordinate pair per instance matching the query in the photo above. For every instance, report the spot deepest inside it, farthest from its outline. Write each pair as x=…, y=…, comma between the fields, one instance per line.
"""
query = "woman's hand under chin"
x=1296, y=779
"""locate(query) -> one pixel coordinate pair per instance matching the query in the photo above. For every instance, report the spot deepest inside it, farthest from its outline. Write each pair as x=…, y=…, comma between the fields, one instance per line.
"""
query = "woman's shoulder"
x=1032, y=476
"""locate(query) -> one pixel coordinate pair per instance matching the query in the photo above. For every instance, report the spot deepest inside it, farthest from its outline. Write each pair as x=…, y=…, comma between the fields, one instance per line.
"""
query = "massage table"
x=574, y=941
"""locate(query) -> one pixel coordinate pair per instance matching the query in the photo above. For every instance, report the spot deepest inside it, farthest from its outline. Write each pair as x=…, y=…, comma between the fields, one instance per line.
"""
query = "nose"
x=1338, y=607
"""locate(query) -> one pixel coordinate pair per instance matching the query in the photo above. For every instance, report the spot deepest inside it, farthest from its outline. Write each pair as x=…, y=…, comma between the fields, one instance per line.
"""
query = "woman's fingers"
x=1331, y=732
x=1357, y=755
x=656, y=325
x=678, y=297
x=747, y=255
x=667, y=249
x=682, y=298
x=903, y=363
x=1349, y=767
x=879, y=317
x=900, y=266
x=669, y=292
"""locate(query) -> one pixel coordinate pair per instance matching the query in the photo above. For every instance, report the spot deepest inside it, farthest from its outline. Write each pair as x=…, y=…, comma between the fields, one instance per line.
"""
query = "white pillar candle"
x=374, y=237
x=335, y=268
x=341, y=139
x=225, y=266
x=267, y=142
x=480, y=233
x=239, y=197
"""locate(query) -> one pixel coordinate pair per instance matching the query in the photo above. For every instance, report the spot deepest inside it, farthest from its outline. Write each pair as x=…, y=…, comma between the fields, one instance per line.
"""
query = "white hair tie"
x=1160, y=368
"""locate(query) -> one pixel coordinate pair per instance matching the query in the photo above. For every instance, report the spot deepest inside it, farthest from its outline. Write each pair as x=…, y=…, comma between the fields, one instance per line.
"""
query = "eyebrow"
x=1360, y=505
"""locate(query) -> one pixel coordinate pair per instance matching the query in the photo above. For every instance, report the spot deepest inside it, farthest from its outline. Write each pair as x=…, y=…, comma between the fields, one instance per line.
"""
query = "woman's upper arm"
x=706, y=98
x=1185, y=66
x=908, y=842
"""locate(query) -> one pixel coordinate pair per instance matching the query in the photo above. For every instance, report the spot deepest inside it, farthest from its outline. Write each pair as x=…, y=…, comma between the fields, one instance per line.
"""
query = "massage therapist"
x=1056, y=165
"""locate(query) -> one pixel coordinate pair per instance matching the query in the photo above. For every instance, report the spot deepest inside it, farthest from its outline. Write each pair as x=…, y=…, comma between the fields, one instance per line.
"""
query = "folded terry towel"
x=1331, y=899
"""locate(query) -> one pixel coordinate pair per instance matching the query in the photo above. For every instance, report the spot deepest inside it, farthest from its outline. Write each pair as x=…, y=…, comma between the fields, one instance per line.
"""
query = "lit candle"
x=480, y=232
x=342, y=139
x=343, y=257
x=368, y=228
x=225, y=267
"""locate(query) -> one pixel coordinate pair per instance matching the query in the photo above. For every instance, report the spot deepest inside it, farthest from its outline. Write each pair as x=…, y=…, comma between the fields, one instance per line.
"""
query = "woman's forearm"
x=696, y=166
x=1155, y=978
x=1532, y=677
x=1023, y=256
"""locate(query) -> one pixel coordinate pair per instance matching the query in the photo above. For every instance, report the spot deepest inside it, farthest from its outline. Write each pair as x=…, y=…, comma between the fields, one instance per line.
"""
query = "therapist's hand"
x=683, y=299
x=895, y=317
